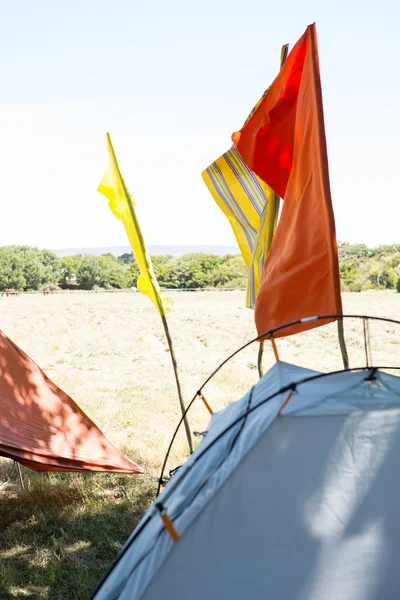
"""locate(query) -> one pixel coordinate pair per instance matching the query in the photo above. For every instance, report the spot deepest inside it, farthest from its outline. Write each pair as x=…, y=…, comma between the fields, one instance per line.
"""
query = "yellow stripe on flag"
x=249, y=204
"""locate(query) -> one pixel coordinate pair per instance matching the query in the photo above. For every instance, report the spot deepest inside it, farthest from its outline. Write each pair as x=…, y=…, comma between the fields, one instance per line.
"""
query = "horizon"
x=159, y=249
x=154, y=249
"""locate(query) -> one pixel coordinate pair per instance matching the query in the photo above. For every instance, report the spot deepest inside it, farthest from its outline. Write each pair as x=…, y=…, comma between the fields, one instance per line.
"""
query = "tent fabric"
x=43, y=428
x=301, y=506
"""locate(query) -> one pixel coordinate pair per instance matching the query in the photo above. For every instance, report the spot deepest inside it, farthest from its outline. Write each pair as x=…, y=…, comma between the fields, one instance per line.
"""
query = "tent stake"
x=284, y=53
x=342, y=344
x=178, y=384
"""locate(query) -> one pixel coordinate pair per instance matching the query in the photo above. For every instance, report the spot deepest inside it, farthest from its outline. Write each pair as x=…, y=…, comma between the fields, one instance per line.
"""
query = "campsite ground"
x=109, y=353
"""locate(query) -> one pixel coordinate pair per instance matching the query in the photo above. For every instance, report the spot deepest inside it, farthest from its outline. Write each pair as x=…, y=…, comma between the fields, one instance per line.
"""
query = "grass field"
x=109, y=353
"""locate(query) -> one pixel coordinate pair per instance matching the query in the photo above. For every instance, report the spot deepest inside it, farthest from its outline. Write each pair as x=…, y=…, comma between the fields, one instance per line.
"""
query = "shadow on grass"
x=60, y=536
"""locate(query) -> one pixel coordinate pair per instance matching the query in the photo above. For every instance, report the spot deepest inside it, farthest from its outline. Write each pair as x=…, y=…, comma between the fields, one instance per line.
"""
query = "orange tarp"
x=284, y=144
x=43, y=428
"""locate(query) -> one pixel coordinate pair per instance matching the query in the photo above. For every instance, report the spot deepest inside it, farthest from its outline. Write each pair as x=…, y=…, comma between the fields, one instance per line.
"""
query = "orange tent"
x=42, y=428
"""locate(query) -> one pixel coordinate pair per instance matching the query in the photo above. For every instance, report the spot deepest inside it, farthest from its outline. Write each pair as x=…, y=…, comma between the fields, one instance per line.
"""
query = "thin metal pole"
x=284, y=53
x=342, y=343
x=21, y=480
x=260, y=357
x=178, y=384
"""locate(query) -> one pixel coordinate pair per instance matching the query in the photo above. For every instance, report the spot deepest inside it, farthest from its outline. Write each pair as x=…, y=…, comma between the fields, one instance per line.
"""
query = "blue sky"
x=171, y=81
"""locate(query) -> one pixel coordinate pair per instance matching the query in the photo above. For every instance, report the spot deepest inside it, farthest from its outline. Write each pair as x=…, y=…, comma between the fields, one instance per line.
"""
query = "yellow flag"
x=122, y=205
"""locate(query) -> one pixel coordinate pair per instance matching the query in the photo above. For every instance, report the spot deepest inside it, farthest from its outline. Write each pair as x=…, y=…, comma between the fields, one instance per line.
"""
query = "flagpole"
x=178, y=384
x=342, y=344
x=325, y=179
x=283, y=57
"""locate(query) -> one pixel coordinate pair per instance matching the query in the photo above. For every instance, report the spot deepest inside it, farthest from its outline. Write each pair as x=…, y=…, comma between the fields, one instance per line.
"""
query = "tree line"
x=27, y=268
x=363, y=268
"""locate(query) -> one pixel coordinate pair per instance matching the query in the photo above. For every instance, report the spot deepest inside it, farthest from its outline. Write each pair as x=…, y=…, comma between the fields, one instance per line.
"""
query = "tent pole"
x=21, y=480
x=178, y=384
x=342, y=344
x=260, y=357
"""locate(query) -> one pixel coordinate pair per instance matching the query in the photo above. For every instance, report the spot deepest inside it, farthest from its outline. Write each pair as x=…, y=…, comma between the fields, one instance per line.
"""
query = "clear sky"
x=171, y=80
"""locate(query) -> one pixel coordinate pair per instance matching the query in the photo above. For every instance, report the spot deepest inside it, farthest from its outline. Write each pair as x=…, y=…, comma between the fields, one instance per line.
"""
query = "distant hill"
x=174, y=250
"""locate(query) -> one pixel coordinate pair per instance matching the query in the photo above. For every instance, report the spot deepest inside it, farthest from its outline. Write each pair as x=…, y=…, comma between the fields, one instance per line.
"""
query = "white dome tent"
x=293, y=493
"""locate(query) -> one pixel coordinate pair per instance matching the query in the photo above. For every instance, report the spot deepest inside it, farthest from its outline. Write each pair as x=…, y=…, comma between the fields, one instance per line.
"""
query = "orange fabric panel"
x=43, y=428
x=284, y=144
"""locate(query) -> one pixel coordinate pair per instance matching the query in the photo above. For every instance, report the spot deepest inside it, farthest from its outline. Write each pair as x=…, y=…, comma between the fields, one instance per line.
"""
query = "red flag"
x=284, y=144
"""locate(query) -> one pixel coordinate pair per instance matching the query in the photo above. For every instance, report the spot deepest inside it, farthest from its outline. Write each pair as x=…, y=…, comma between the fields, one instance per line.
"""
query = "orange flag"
x=284, y=144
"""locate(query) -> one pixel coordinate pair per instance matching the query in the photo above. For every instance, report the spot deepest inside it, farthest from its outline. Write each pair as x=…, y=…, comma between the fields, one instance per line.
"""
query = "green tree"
x=380, y=273
x=11, y=269
x=161, y=267
x=32, y=266
x=386, y=250
x=127, y=258
x=349, y=273
x=89, y=273
x=113, y=273
x=195, y=270
x=105, y=271
x=232, y=272
x=348, y=251
x=68, y=268
x=24, y=267
x=51, y=267
x=133, y=273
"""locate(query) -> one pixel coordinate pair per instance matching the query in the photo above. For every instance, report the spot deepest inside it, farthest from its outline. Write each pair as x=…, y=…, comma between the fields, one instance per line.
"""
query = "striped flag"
x=251, y=207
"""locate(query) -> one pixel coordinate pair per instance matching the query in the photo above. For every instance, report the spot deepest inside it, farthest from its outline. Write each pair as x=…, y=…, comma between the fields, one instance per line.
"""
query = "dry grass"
x=109, y=353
